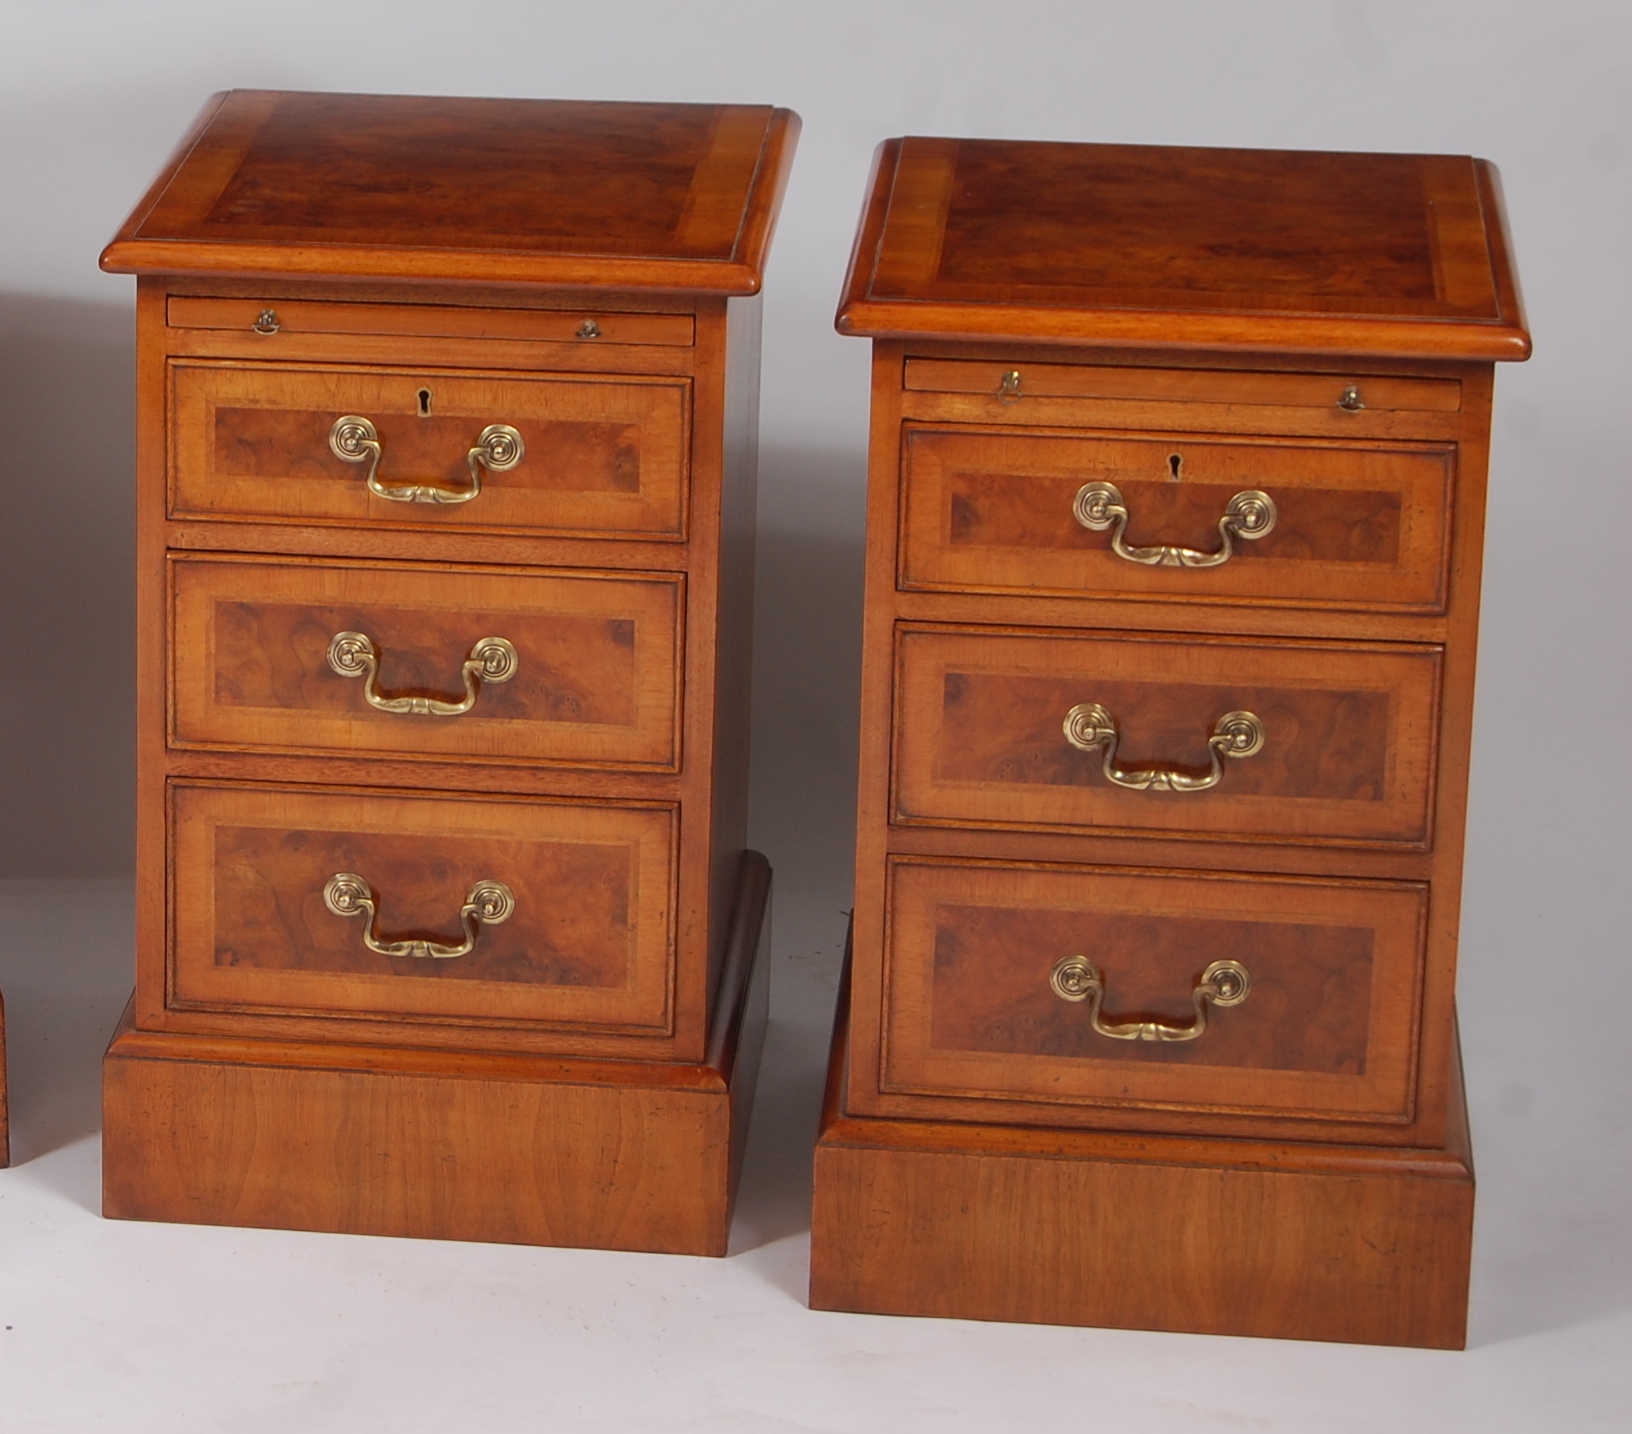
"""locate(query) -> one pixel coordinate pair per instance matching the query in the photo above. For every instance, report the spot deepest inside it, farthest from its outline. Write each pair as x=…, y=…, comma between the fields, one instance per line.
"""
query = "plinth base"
x=618, y=1155
x=1209, y=1236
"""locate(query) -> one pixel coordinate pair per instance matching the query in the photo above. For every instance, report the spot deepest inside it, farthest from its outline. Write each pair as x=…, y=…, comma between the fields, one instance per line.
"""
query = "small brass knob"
x=589, y=329
x=1350, y=399
x=267, y=323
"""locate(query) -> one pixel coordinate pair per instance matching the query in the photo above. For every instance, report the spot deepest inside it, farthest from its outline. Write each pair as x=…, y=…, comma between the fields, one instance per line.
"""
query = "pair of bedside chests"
x=446, y=924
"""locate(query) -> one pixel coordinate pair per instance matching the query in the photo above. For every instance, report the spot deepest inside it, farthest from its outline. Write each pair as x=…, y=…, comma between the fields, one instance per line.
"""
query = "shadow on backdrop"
x=67, y=575
x=807, y=683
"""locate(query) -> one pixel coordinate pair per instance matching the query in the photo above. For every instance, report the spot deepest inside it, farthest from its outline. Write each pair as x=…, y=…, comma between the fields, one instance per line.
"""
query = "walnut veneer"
x=1175, y=521
x=446, y=465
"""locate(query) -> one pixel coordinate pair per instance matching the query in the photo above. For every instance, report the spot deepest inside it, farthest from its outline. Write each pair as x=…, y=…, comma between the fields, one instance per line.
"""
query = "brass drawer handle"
x=353, y=654
x=498, y=449
x=489, y=903
x=1224, y=983
x=1248, y=515
x=1089, y=727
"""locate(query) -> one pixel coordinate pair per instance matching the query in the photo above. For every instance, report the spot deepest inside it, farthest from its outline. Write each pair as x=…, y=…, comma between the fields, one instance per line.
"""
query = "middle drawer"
x=1212, y=736
x=417, y=661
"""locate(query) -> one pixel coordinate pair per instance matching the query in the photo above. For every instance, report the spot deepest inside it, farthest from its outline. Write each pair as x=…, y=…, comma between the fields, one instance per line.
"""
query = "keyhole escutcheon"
x=424, y=403
x=1175, y=461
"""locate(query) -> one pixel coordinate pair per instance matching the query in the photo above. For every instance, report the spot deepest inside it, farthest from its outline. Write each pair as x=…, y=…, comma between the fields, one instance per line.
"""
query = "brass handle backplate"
x=1249, y=515
x=498, y=449
x=489, y=903
x=1090, y=728
x=492, y=659
x=1224, y=983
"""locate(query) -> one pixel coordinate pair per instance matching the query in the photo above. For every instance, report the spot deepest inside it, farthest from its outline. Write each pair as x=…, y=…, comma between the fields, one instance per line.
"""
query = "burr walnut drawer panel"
x=418, y=661
x=1064, y=986
x=1294, y=741
x=1059, y=512
x=548, y=453
x=270, y=894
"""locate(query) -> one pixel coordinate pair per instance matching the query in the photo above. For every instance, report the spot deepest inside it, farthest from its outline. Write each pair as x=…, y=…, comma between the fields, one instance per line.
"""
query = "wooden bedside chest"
x=1175, y=524
x=446, y=467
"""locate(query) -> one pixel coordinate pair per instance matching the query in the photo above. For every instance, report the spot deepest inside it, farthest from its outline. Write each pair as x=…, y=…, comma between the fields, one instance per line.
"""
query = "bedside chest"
x=1175, y=523
x=447, y=420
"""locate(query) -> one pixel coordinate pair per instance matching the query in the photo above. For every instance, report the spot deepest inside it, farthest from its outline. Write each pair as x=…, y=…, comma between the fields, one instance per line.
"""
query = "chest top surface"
x=670, y=196
x=1230, y=248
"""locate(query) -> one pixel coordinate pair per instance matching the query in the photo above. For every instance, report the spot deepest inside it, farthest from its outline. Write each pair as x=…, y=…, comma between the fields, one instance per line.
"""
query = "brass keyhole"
x=1175, y=461
x=424, y=403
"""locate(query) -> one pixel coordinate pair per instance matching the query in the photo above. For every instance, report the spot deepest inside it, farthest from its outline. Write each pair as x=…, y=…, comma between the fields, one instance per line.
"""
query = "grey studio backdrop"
x=93, y=95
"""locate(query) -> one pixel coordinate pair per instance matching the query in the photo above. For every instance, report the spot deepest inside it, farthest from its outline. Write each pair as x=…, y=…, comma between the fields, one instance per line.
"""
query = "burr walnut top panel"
x=542, y=191
x=1185, y=247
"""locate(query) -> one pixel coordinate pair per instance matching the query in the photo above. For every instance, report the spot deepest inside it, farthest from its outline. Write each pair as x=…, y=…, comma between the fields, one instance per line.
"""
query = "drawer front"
x=1326, y=1028
x=597, y=456
x=261, y=661
x=587, y=943
x=1347, y=735
x=1356, y=525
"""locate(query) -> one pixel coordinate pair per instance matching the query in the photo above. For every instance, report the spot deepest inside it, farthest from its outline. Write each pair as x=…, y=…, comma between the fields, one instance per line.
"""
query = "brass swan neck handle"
x=1090, y=728
x=1224, y=983
x=492, y=659
x=1249, y=515
x=489, y=903
x=356, y=440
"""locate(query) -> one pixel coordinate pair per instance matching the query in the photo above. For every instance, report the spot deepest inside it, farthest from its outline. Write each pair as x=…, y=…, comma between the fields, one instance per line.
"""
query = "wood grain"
x=602, y=456
x=1182, y=248
x=614, y=1155
x=1362, y=525
x=296, y=318
x=1348, y=751
x=1182, y=323
x=590, y=942
x=596, y=677
x=675, y=197
x=1209, y=1236
x=1327, y=1030
x=1178, y=385
x=436, y=266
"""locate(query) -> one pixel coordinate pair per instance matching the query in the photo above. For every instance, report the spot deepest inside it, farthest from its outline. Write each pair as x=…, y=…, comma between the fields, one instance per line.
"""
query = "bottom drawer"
x=1069, y=986
x=491, y=911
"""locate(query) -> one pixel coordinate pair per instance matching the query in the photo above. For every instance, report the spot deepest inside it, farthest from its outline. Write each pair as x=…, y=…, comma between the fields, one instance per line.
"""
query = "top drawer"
x=313, y=443
x=1065, y=512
